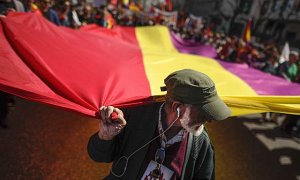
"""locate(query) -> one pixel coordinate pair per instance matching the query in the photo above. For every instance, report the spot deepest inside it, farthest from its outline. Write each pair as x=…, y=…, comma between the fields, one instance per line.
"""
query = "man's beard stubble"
x=195, y=130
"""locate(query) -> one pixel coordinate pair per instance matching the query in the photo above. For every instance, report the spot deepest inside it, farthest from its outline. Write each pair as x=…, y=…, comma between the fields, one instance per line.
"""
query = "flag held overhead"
x=73, y=69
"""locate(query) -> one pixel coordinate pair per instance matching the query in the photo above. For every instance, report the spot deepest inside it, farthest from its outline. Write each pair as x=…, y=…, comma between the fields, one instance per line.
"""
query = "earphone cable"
x=127, y=158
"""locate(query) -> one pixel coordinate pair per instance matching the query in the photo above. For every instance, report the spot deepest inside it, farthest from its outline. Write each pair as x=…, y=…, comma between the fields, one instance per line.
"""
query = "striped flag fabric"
x=83, y=70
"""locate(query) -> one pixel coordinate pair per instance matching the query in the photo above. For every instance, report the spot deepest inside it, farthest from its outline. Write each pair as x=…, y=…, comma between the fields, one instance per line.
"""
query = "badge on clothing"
x=157, y=171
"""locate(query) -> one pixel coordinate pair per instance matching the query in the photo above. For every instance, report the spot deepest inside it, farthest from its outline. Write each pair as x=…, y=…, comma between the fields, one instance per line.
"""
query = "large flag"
x=83, y=70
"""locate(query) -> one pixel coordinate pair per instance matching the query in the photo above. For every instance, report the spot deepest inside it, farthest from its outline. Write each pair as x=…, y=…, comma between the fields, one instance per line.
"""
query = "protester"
x=31, y=6
x=297, y=78
x=87, y=17
x=289, y=69
x=63, y=10
x=48, y=11
x=162, y=138
x=271, y=65
x=73, y=17
x=11, y=5
x=6, y=102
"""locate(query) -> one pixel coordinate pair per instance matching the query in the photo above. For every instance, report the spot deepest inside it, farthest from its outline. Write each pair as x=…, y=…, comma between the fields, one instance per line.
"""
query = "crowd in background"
x=266, y=56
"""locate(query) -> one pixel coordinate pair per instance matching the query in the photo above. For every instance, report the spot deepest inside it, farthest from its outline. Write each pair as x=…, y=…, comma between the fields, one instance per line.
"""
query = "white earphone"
x=178, y=112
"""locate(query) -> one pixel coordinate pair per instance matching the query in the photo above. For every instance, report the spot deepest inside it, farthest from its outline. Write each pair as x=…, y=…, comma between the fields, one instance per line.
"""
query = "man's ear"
x=176, y=106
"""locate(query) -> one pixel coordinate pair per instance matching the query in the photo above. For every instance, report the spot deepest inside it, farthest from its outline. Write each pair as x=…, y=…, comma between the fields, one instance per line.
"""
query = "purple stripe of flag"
x=261, y=82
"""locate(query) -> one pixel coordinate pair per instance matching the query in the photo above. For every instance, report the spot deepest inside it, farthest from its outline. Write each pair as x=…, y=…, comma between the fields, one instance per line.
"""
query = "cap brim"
x=216, y=110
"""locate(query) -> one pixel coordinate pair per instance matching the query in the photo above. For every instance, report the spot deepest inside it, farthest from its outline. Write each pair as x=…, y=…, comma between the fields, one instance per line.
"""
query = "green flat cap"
x=192, y=87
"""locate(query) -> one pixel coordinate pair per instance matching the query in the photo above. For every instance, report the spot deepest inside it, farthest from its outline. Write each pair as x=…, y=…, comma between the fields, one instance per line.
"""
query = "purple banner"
x=261, y=82
x=190, y=47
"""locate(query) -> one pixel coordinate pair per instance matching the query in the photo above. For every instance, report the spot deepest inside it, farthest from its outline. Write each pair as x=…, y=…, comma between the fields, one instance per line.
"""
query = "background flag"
x=247, y=32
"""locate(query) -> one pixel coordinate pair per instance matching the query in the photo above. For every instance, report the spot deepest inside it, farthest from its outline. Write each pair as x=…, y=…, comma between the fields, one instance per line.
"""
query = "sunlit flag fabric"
x=83, y=70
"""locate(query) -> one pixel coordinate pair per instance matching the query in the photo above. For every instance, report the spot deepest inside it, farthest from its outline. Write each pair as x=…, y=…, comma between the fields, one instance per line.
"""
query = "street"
x=45, y=142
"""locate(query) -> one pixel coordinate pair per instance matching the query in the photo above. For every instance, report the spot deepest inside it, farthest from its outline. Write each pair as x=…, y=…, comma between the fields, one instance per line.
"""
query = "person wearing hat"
x=162, y=140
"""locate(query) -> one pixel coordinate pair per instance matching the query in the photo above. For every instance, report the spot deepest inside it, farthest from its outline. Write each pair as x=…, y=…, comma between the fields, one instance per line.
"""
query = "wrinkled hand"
x=110, y=126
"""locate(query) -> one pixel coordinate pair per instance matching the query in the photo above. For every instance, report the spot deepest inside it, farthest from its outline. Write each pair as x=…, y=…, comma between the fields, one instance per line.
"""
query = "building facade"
x=277, y=20
x=280, y=20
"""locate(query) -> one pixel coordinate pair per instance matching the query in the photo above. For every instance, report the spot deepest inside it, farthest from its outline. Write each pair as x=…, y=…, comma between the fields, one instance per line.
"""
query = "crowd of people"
x=261, y=55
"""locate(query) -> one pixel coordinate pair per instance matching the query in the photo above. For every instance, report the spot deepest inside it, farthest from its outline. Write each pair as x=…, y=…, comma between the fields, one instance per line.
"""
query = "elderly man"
x=162, y=140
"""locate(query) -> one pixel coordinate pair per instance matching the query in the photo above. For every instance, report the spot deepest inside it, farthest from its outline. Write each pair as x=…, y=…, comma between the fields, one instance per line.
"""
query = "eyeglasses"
x=159, y=159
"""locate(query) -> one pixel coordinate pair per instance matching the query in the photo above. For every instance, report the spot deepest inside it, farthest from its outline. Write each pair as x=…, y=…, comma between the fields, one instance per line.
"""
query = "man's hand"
x=111, y=122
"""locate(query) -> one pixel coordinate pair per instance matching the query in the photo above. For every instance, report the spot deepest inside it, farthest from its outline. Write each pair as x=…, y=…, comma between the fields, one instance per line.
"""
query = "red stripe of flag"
x=62, y=57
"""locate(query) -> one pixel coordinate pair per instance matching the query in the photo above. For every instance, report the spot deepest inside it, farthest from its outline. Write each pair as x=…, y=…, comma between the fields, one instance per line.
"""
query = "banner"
x=83, y=70
x=170, y=18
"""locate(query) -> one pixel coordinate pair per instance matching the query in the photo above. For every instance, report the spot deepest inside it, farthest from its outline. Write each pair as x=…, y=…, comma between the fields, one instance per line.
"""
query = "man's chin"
x=198, y=131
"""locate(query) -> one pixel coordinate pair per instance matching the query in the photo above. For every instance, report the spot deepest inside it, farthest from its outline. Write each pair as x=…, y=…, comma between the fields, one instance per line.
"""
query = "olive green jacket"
x=140, y=128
